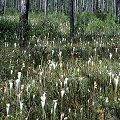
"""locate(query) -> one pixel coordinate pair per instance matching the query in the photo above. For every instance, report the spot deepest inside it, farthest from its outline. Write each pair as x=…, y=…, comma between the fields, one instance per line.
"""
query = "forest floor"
x=54, y=77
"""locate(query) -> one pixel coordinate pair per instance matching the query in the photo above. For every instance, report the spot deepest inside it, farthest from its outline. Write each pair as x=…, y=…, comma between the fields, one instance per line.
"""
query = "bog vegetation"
x=54, y=77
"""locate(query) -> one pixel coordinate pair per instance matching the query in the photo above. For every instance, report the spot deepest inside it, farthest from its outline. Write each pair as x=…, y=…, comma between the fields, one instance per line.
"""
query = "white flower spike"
x=7, y=108
x=43, y=98
x=19, y=75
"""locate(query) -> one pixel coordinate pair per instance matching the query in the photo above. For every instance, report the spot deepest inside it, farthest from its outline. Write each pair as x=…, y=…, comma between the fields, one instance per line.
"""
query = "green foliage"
x=88, y=25
x=10, y=11
x=44, y=29
x=101, y=15
x=8, y=28
x=85, y=17
x=95, y=27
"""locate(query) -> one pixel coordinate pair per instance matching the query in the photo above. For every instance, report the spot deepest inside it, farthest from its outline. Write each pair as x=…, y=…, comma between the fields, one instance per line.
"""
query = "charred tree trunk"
x=71, y=20
x=24, y=21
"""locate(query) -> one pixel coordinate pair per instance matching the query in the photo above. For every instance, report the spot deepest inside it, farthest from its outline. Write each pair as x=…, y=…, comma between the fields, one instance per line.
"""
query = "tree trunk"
x=0, y=6
x=13, y=3
x=96, y=8
x=93, y=5
x=104, y=5
x=76, y=5
x=83, y=5
x=62, y=6
x=46, y=8
x=34, y=5
x=17, y=5
x=24, y=20
x=40, y=5
x=118, y=10
x=87, y=6
x=71, y=20
x=56, y=6
x=24, y=10
x=3, y=5
x=114, y=6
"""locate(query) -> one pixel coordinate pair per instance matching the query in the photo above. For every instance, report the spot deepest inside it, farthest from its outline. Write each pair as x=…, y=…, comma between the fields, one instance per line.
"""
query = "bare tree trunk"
x=62, y=6
x=3, y=6
x=87, y=6
x=114, y=6
x=96, y=5
x=109, y=6
x=83, y=5
x=104, y=5
x=24, y=20
x=71, y=20
x=17, y=5
x=46, y=8
x=40, y=5
x=24, y=10
x=56, y=6
x=0, y=4
x=13, y=3
x=93, y=5
x=118, y=10
x=76, y=5
x=34, y=5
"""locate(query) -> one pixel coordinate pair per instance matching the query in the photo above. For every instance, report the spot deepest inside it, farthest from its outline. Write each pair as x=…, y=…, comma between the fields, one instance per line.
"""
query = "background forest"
x=59, y=59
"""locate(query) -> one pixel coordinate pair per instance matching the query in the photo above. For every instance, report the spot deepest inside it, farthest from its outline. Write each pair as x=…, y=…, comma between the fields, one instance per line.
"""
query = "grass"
x=55, y=78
